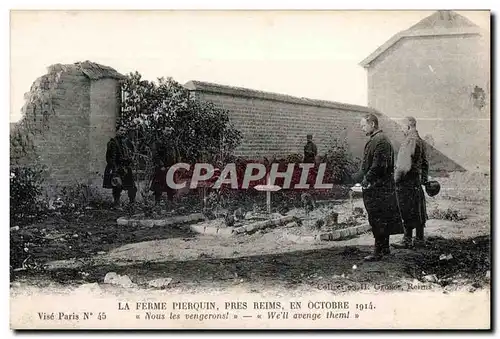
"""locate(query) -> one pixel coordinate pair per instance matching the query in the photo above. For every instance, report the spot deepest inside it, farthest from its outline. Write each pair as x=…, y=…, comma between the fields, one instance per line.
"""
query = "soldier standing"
x=118, y=174
x=411, y=173
x=163, y=158
x=379, y=196
x=310, y=150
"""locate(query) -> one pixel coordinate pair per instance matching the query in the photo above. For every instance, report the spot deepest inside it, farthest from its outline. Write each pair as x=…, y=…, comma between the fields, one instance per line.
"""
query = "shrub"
x=165, y=112
x=80, y=195
x=339, y=162
x=25, y=191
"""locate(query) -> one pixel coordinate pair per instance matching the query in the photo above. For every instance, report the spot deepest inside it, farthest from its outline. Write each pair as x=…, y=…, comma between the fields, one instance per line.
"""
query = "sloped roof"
x=443, y=19
x=251, y=93
x=439, y=23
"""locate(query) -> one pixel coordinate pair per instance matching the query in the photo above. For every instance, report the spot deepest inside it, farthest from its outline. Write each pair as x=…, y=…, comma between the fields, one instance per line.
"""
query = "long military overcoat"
x=411, y=173
x=310, y=152
x=118, y=163
x=163, y=157
x=379, y=194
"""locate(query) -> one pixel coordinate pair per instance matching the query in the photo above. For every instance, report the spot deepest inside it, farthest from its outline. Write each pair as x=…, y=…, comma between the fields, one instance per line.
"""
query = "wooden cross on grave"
x=268, y=188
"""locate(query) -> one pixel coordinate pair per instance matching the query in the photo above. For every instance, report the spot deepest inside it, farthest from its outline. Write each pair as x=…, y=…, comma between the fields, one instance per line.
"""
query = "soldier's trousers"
x=381, y=234
x=131, y=192
x=419, y=230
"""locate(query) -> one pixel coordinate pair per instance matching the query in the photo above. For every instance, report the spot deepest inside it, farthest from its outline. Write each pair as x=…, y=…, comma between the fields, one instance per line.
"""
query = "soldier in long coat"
x=310, y=150
x=163, y=158
x=119, y=166
x=411, y=173
x=377, y=179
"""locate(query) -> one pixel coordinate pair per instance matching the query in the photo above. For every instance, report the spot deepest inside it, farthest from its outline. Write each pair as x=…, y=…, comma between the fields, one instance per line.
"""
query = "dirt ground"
x=82, y=251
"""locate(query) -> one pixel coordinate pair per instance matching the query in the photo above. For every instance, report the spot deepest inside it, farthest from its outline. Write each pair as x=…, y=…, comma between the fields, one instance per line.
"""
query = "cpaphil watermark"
x=203, y=172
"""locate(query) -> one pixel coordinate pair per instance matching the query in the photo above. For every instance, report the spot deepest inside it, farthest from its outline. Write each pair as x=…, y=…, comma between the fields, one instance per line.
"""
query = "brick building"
x=438, y=71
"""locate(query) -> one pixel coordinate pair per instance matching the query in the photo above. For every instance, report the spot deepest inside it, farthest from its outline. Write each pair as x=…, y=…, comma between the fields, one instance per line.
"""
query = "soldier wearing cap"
x=410, y=175
x=118, y=174
x=310, y=150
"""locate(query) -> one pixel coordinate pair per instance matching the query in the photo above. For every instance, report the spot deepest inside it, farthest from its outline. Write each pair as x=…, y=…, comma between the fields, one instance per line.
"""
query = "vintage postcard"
x=250, y=169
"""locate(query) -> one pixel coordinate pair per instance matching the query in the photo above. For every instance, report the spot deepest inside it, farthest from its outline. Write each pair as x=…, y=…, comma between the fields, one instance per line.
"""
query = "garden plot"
x=338, y=221
x=330, y=221
x=250, y=223
x=326, y=219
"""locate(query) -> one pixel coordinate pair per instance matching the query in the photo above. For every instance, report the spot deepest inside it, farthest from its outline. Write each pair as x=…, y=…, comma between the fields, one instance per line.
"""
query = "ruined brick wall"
x=433, y=78
x=274, y=124
x=56, y=115
x=69, y=116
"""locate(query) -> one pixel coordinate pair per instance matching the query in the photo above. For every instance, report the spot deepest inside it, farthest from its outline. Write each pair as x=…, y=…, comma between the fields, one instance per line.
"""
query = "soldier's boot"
x=132, y=193
x=116, y=198
x=419, y=241
x=170, y=198
x=406, y=242
x=386, y=250
x=377, y=252
x=375, y=256
x=158, y=207
x=158, y=195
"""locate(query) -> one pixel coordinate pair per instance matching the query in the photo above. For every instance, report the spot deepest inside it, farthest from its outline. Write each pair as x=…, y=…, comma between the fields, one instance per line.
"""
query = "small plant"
x=78, y=196
x=447, y=214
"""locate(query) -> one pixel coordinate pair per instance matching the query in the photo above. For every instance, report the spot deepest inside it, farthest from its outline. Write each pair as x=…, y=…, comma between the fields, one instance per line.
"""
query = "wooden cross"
x=268, y=188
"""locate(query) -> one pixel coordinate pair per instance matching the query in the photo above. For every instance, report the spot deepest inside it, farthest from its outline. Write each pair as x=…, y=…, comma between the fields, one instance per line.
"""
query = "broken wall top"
x=92, y=70
x=38, y=106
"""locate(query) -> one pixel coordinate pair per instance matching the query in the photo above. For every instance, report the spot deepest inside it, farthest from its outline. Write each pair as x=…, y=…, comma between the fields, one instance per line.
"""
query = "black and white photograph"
x=250, y=169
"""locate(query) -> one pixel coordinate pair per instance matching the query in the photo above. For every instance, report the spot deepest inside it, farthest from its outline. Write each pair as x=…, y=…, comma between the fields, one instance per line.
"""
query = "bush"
x=79, y=196
x=164, y=112
x=25, y=191
x=339, y=162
